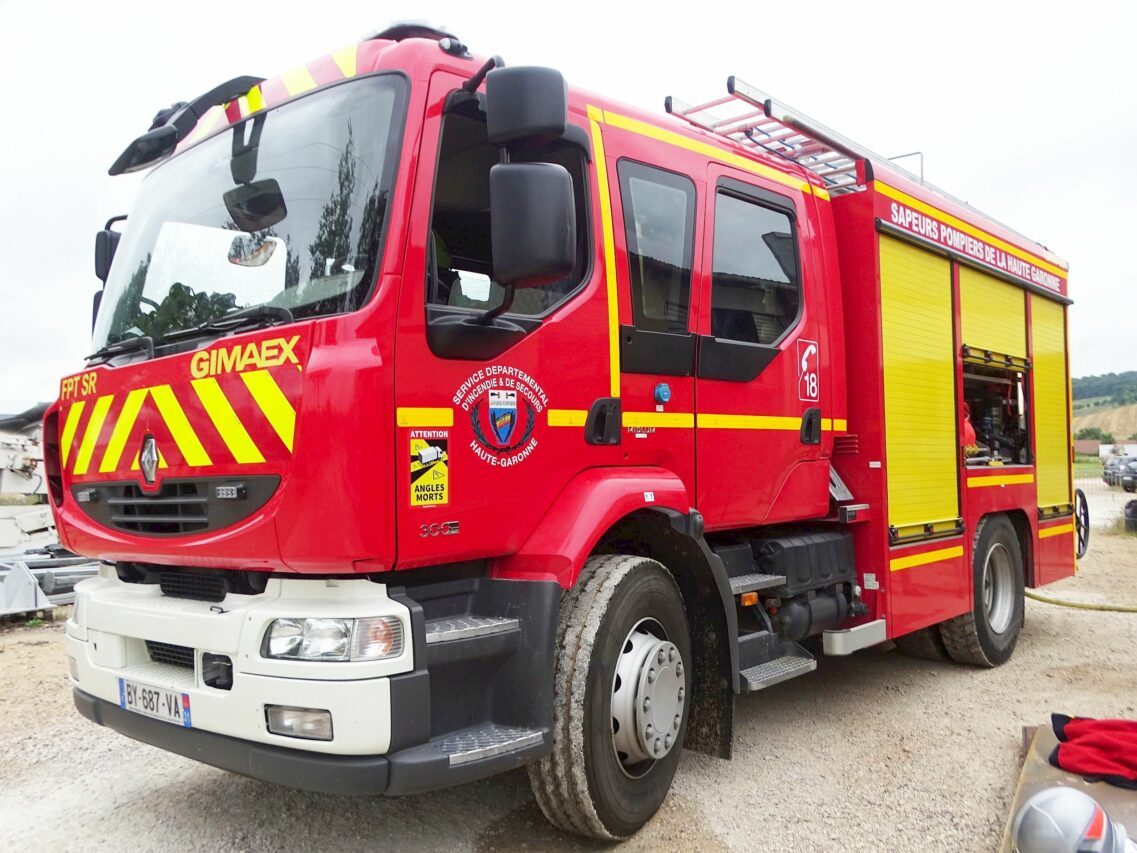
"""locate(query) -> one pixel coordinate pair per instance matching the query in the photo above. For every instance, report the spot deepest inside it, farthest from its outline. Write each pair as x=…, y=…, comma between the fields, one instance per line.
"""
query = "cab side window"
x=756, y=283
x=460, y=261
x=659, y=222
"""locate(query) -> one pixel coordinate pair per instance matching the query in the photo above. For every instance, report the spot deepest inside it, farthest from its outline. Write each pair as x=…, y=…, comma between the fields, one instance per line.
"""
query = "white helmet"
x=1064, y=820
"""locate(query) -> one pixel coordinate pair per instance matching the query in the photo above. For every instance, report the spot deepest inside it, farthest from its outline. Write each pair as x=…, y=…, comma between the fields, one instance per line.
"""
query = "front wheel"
x=986, y=636
x=622, y=684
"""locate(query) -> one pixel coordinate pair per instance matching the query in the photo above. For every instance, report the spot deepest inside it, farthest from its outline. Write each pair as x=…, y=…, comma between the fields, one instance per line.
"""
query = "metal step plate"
x=749, y=583
x=484, y=741
x=465, y=627
x=775, y=671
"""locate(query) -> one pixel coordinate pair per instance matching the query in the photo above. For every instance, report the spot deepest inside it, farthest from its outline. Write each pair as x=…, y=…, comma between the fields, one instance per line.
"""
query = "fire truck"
x=443, y=419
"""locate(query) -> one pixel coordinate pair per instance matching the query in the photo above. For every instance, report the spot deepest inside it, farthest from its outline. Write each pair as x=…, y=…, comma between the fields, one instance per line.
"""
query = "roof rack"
x=753, y=119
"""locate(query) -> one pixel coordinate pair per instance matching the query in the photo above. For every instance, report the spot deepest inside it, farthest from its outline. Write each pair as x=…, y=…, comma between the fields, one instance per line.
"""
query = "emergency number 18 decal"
x=808, y=381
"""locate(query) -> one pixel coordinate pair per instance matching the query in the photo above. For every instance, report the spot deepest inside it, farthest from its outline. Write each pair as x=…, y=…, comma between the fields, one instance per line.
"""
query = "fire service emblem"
x=504, y=405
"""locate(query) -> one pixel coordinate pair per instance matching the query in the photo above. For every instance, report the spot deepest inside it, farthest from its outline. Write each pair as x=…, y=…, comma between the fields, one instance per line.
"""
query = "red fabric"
x=968, y=433
x=1102, y=749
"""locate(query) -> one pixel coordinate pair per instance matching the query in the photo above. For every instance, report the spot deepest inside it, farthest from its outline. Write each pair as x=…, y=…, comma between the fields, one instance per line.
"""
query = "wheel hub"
x=998, y=589
x=648, y=696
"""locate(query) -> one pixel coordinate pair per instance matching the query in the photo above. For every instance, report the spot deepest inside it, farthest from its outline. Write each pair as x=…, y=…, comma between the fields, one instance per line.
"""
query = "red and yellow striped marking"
x=83, y=433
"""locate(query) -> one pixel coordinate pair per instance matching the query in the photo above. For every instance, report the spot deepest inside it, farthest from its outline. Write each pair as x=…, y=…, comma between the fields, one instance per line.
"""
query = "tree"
x=1095, y=434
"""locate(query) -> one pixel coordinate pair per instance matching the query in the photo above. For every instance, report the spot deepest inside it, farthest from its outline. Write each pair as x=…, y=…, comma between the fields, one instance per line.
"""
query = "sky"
x=1025, y=110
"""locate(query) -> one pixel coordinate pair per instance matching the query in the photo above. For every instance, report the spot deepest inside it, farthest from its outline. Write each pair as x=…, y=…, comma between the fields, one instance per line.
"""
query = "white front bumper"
x=106, y=638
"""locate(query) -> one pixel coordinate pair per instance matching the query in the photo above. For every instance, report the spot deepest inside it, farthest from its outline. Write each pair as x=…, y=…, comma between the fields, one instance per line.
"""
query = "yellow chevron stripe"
x=345, y=59
x=1056, y=530
x=926, y=558
x=229, y=426
x=91, y=435
x=161, y=460
x=298, y=80
x=205, y=124
x=410, y=416
x=70, y=425
x=273, y=403
x=179, y=426
x=255, y=99
x=566, y=417
x=122, y=428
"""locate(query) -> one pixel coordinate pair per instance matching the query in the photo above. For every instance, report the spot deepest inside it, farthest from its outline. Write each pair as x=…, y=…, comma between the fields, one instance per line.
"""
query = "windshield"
x=284, y=209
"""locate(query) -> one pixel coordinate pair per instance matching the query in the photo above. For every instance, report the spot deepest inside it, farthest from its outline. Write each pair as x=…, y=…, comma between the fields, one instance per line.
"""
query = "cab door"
x=656, y=231
x=762, y=370
x=490, y=410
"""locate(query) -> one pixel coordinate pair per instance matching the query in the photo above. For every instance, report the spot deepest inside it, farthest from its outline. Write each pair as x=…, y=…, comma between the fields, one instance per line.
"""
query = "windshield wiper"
x=257, y=316
x=106, y=353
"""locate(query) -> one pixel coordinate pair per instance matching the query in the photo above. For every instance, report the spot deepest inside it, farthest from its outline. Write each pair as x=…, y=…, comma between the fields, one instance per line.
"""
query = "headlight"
x=374, y=638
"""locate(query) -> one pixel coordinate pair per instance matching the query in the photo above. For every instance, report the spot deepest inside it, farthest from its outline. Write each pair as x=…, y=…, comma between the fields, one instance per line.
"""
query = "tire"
x=986, y=636
x=582, y=786
x=925, y=644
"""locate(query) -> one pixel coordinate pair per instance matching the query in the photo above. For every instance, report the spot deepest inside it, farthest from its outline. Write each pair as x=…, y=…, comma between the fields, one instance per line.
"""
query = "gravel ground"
x=871, y=752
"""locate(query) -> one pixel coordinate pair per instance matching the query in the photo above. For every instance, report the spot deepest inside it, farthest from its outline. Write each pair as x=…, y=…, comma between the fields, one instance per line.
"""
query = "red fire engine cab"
x=443, y=419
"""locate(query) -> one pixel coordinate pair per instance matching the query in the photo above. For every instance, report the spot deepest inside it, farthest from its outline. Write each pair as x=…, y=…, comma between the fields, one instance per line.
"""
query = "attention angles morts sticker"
x=503, y=404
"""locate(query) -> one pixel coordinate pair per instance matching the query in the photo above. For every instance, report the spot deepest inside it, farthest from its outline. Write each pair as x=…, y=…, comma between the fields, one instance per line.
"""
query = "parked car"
x=1128, y=474
x=1111, y=472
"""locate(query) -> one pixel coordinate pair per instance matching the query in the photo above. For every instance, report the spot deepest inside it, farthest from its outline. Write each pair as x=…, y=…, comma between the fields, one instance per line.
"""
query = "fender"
x=593, y=501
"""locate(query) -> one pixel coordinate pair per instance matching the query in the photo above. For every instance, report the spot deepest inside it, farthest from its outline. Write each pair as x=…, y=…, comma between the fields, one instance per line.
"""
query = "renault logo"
x=148, y=459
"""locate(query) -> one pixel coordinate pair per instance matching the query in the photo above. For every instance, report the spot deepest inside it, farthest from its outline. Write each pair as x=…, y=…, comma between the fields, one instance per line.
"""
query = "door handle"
x=811, y=426
x=602, y=426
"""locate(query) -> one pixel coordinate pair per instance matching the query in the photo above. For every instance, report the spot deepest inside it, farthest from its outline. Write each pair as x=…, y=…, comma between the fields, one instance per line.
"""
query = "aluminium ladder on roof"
x=754, y=120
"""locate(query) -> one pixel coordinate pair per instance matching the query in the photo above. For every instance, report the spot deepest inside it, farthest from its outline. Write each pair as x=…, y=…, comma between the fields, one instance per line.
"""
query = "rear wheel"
x=986, y=636
x=621, y=700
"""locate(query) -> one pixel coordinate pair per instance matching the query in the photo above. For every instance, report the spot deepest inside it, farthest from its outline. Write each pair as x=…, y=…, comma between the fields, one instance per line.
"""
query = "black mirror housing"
x=525, y=102
x=257, y=205
x=106, y=243
x=532, y=223
x=146, y=150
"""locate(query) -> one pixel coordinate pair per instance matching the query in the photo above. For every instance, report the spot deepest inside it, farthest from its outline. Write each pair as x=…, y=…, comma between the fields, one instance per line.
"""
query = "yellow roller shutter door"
x=992, y=314
x=1051, y=407
x=919, y=387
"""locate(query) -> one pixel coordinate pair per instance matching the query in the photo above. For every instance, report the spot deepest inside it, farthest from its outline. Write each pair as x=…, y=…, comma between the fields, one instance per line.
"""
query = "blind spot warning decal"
x=430, y=467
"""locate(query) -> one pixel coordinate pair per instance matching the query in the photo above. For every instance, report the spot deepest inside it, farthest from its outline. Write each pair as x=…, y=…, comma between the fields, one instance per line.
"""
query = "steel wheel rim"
x=998, y=588
x=648, y=698
x=1082, y=522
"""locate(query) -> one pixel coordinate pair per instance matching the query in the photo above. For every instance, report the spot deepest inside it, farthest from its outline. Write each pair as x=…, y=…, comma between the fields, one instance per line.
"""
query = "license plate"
x=157, y=702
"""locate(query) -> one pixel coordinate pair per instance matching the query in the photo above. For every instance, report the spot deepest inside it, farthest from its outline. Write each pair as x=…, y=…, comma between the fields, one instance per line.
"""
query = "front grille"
x=169, y=653
x=198, y=584
x=176, y=508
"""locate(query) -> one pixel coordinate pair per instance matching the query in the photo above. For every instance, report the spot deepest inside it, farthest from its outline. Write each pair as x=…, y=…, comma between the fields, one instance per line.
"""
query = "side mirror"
x=146, y=150
x=532, y=223
x=106, y=243
x=525, y=103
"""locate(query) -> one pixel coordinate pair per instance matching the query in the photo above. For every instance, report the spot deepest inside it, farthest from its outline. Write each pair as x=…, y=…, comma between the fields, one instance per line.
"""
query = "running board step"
x=752, y=582
x=797, y=662
x=485, y=741
x=451, y=628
